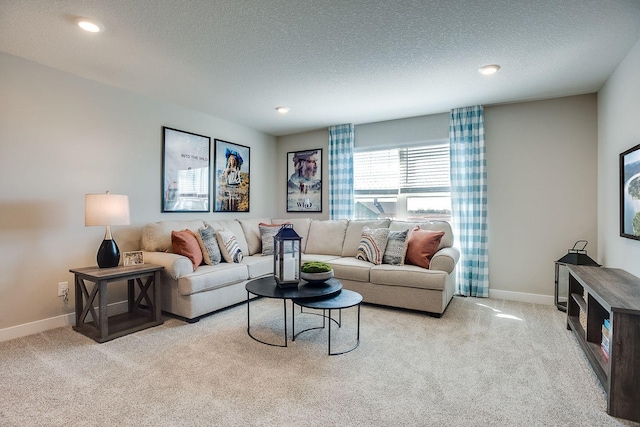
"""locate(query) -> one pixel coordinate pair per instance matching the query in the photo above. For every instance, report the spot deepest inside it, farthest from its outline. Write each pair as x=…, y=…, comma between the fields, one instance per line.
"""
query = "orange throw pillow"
x=185, y=243
x=423, y=244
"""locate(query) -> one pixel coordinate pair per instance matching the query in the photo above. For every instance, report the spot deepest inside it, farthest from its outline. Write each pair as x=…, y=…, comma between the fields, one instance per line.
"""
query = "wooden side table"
x=104, y=327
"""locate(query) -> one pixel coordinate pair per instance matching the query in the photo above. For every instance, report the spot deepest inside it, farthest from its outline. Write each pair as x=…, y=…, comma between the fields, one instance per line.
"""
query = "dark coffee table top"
x=344, y=299
x=267, y=287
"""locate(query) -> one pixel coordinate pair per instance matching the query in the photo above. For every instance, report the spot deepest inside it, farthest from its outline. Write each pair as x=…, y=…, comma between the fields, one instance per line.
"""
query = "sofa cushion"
x=318, y=257
x=235, y=227
x=251, y=233
x=326, y=237
x=209, y=277
x=229, y=247
x=209, y=245
x=410, y=276
x=372, y=244
x=354, y=234
x=258, y=265
x=156, y=236
x=447, y=239
x=423, y=244
x=396, y=249
x=300, y=226
x=350, y=268
x=186, y=244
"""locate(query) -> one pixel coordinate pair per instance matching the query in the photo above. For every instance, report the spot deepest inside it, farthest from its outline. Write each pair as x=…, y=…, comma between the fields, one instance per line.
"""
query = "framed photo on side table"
x=132, y=258
x=304, y=181
x=630, y=193
x=185, y=171
x=232, y=173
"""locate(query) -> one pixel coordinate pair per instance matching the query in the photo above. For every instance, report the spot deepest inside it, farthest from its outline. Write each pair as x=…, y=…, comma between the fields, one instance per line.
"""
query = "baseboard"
x=522, y=297
x=38, y=326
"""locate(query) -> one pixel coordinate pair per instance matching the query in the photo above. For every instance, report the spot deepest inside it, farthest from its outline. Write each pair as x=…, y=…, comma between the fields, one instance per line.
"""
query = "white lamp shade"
x=106, y=209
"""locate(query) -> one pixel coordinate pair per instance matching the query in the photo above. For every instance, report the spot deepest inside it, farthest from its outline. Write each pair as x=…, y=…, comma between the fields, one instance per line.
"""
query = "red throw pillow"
x=423, y=244
x=185, y=243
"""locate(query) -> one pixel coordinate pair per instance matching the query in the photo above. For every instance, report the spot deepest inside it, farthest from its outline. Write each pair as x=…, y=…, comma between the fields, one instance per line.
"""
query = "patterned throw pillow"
x=229, y=247
x=186, y=244
x=372, y=244
x=423, y=244
x=396, y=248
x=209, y=245
x=267, y=233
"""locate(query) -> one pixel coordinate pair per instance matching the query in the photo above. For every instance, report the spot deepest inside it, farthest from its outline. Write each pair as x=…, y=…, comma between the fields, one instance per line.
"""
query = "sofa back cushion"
x=156, y=236
x=300, y=226
x=326, y=237
x=447, y=239
x=251, y=230
x=354, y=233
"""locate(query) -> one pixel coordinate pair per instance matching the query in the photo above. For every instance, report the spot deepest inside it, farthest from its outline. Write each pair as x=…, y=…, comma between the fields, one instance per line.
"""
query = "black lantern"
x=574, y=257
x=287, y=254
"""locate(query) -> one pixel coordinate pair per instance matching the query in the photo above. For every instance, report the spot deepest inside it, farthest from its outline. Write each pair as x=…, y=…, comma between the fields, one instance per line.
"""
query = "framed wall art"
x=630, y=193
x=232, y=173
x=304, y=183
x=185, y=171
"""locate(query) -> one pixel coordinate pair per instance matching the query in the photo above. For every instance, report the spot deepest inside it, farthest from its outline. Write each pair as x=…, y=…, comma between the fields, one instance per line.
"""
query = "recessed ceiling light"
x=89, y=25
x=487, y=70
x=282, y=110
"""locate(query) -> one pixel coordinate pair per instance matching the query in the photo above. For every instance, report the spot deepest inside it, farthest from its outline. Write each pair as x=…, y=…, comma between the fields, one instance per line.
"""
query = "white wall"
x=541, y=177
x=618, y=113
x=61, y=137
x=541, y=160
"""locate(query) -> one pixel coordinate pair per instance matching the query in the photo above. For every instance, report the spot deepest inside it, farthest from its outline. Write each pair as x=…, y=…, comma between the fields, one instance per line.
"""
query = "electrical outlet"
x=63, y=288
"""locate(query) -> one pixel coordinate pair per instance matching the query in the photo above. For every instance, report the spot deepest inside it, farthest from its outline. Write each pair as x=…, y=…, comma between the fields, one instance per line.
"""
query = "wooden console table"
x=597, y=294
x=104, y=327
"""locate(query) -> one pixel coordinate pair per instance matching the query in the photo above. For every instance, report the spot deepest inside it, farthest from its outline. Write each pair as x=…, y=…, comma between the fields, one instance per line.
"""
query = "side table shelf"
x=103, y=327
x=597, y=294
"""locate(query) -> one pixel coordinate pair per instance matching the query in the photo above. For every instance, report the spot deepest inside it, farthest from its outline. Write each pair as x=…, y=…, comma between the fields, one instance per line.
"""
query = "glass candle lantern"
x=287, y=255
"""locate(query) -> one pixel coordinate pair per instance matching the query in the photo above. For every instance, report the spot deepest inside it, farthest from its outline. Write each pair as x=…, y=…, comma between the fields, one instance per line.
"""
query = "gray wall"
x=61, y=137
x=541, y=161
x=618, y=112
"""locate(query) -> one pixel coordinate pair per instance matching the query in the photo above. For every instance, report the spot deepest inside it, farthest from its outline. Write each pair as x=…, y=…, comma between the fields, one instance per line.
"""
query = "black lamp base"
x=108, y=254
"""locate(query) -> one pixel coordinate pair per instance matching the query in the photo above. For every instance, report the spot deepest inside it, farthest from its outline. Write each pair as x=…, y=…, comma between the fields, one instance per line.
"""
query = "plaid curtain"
x=341, y=171
x=469, y=199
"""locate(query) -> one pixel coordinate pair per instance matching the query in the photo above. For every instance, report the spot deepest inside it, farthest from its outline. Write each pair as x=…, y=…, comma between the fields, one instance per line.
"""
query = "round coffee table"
x=268, y=288
x=345, y=299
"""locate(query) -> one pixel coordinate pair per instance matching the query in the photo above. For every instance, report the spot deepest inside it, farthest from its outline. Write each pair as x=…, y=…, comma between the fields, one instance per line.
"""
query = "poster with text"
x=304, y=183
x=232, y=173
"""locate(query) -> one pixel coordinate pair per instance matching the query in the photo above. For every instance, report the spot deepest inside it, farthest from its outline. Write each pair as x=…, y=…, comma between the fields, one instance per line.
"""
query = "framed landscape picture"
x=630, y=193
x=304, y=181
x=232, y=173
x=185, y=171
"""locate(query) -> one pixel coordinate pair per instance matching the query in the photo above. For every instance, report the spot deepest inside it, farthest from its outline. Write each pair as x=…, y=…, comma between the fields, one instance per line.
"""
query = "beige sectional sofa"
x=191, y=294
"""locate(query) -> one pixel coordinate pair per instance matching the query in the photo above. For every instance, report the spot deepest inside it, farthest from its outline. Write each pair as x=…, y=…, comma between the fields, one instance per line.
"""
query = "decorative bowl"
x=316, y=278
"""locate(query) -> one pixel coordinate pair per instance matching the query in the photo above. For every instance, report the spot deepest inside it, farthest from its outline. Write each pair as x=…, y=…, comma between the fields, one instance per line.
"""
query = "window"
x=408, y=183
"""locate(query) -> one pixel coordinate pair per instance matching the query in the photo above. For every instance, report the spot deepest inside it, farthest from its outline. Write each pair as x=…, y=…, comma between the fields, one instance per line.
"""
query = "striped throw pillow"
x=229, y=247
x=372, y=244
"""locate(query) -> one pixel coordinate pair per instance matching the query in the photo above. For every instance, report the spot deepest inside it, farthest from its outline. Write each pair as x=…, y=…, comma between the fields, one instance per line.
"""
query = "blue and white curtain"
x=469, y=199
x=341, y=171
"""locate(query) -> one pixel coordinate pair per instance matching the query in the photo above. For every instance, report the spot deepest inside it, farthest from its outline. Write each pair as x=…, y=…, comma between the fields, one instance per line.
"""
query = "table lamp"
x=107, y=210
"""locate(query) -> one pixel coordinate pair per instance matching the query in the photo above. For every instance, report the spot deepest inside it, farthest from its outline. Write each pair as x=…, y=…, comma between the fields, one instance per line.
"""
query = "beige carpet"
x=485, y=362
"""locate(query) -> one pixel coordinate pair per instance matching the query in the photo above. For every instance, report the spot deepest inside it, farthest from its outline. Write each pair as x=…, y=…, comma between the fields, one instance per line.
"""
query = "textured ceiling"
x=330, y=61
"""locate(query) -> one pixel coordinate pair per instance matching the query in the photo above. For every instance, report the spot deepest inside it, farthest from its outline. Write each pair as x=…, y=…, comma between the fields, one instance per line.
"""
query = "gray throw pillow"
x=396, y=248
x=267, y=233
x=209, y=245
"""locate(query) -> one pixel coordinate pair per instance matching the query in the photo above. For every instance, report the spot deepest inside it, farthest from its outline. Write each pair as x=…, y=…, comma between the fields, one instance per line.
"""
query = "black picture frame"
x=304, y=180
x=232, y=177
x=186, y=179
x=630, y=193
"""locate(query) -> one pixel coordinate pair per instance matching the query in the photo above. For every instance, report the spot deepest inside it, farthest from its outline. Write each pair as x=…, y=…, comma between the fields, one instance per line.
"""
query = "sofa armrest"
x=445, y=260
x=176, y=265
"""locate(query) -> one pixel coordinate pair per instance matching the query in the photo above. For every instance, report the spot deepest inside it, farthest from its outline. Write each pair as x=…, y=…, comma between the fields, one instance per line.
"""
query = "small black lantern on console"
x=573, y=257
x=287, y=255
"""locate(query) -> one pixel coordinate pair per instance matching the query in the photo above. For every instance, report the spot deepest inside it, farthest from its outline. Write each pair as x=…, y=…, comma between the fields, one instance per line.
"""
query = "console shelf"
x=597, y=294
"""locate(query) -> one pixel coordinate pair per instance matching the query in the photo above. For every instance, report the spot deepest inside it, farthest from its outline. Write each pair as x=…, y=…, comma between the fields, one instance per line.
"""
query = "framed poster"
x=185, y=171
x=232, y=172
x=630, y=193
x=304, y=184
